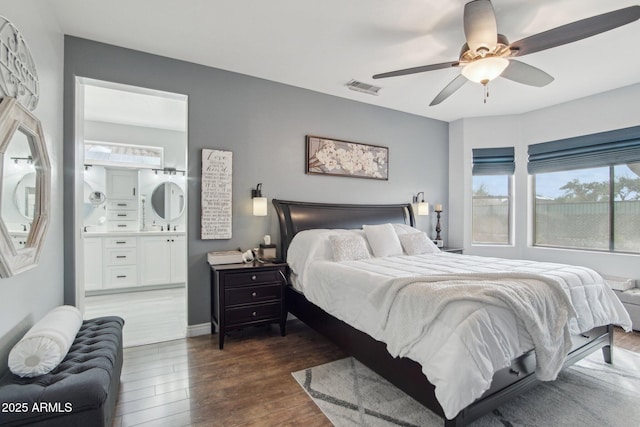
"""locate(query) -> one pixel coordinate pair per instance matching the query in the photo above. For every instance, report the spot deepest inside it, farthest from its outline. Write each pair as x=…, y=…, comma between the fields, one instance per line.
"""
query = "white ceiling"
x=321, y=45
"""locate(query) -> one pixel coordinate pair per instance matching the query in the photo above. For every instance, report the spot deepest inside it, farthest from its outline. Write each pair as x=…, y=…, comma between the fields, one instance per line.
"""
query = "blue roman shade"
x=493, y=161
x=587, y=151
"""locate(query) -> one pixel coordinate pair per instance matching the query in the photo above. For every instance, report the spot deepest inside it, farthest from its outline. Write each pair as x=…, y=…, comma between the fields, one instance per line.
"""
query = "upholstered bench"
x=81, y=391
x=631, y=301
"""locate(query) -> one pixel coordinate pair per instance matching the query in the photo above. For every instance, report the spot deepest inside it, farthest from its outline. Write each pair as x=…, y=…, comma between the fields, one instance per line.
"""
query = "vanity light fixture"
x=168, y=171
x=28, y=160
x=423, y=207
x=259, y=202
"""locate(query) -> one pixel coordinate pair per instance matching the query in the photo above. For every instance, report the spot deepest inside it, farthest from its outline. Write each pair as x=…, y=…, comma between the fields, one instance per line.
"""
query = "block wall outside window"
x=593, y=208
x=491, y=209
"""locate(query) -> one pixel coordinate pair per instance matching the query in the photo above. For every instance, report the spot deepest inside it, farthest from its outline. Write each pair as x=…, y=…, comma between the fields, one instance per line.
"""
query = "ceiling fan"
x=487, y=54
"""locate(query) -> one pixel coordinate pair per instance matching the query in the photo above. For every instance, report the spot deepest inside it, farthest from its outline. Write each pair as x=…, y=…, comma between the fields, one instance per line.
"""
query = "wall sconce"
x=423, y=207
x=259, y=202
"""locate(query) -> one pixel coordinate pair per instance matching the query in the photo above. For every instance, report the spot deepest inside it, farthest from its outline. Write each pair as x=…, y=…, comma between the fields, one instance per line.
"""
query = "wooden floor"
x=249, y=383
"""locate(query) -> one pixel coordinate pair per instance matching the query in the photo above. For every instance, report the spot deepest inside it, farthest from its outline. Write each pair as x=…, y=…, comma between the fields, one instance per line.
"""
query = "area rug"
x=590, y=394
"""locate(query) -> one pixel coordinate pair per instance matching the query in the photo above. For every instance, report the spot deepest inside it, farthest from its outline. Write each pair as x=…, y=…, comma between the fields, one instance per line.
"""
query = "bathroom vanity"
x=133, y=230
x=134, y=259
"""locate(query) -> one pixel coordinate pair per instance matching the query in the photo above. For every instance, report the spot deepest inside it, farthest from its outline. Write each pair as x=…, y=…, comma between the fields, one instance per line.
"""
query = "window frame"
x=510, y=214
x=611, y=218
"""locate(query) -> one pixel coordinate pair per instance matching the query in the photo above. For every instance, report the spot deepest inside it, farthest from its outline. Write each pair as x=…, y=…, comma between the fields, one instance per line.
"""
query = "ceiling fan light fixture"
x=484, y=70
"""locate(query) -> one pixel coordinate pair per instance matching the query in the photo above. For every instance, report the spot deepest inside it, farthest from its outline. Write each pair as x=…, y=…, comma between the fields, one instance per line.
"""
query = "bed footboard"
x=407, y=375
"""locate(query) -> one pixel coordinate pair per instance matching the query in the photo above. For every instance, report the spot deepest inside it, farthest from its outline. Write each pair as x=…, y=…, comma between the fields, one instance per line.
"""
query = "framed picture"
x=343, y=158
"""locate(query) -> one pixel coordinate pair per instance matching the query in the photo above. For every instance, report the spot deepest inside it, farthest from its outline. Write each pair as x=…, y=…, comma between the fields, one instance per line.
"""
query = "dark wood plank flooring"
x=249, y=383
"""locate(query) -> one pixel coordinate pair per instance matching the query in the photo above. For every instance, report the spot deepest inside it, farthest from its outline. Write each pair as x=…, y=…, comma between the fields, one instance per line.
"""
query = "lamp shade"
x=259, y=206
x=423, y=208
x=484, y=70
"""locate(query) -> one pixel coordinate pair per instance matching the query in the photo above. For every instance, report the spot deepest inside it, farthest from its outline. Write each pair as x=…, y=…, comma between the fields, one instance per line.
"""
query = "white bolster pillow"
x=47, y=342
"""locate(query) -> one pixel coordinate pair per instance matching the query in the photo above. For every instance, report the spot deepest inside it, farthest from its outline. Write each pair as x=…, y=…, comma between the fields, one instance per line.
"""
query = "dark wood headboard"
x=298, y=216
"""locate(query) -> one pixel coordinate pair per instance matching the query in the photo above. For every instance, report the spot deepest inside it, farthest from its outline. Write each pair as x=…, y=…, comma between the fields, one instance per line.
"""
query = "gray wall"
x=25, y=298
x=264, y=123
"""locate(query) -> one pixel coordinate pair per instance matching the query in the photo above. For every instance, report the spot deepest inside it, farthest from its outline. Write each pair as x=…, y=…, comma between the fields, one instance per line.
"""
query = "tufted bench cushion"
x=81, y=391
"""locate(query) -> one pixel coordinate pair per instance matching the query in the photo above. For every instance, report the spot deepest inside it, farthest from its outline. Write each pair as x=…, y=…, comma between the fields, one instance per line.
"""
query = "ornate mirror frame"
x=13, y=118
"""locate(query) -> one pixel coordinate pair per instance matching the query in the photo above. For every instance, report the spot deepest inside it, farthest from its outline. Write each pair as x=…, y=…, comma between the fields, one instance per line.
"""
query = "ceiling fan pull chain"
x=486, y=92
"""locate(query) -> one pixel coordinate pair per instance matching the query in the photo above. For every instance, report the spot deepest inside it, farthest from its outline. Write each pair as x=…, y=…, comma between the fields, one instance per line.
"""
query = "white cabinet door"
x=162, y=259
x=92, y=263
x=155, y=260
x=122, y=184
x=178, y=259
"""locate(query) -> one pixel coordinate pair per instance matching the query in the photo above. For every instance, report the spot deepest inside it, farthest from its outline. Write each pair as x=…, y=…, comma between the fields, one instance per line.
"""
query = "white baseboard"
x=196, y=330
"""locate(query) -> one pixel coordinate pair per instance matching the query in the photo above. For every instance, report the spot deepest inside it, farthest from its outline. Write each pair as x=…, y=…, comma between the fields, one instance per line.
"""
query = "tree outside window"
x=596, y=208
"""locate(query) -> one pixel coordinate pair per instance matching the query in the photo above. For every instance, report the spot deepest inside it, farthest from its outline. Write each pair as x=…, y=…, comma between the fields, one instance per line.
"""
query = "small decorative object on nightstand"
x=267, y=252
x=438, y=240
x=247, y=295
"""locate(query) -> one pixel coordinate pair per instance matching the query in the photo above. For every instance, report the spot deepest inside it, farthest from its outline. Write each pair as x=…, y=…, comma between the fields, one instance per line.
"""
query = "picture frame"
x=328, y=156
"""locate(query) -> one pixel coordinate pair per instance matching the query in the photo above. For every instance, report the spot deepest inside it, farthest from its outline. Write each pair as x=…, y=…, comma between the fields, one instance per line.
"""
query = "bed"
x=404, y=372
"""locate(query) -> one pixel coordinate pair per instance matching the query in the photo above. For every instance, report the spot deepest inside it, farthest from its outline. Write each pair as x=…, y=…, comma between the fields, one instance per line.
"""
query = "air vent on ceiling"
x=363, y=87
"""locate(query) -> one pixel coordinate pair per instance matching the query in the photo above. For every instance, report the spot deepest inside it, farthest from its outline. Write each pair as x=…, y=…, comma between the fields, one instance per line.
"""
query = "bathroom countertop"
x=132, y=233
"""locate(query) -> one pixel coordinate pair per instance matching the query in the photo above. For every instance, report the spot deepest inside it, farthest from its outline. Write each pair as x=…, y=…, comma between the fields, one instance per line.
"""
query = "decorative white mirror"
x=167, y=200
x=25, y=187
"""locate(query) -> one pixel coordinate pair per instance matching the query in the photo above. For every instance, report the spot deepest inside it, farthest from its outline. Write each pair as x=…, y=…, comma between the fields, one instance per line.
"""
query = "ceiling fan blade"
x=449, y=89
x=480, y=26
x=416, y=70
x=575, y=31
x=526, y=74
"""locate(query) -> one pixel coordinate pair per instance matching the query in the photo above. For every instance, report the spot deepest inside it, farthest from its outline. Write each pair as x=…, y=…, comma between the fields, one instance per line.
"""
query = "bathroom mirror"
x=26, y=187
x=24, y=196
x=167, y=200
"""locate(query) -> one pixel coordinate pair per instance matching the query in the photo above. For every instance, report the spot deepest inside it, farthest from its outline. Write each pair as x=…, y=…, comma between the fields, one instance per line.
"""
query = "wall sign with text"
x=216, y=194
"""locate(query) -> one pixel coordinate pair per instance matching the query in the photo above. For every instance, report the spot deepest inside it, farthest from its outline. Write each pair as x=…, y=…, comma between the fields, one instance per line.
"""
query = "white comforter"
x=469, y=340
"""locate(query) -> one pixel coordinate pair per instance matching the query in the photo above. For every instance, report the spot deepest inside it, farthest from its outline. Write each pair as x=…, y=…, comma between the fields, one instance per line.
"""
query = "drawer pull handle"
x=122, y=204
x=254, y=314
x=122, y=214
x=120, y=243
x=121, y=277
x=254, y=294
x=122, y=225
x=121, y=256
x=253, y=277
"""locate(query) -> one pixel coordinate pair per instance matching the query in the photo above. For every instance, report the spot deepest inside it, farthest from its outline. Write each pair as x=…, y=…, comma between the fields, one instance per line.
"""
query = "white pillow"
x=45, y=345
x=404, y=229
x=417, y=244
x=383, y=240
x=349, y=247
x=309, y=246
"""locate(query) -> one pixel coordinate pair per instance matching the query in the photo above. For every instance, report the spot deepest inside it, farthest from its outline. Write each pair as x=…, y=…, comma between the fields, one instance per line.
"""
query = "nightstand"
x=247, y=295
x=452, y=250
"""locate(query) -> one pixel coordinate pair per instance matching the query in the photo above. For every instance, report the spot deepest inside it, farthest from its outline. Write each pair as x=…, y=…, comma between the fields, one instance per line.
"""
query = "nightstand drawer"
x=251, y=294
x=254, y=277
x=253, y=313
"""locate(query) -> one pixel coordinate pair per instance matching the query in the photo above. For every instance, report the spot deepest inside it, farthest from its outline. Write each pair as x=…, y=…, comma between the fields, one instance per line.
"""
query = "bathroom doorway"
x=132, y=208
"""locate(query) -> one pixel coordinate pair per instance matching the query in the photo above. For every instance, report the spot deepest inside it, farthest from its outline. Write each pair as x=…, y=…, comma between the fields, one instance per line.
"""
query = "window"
x=491, y=219
x=491, y=204
x=125, y=155
x=587, y=192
